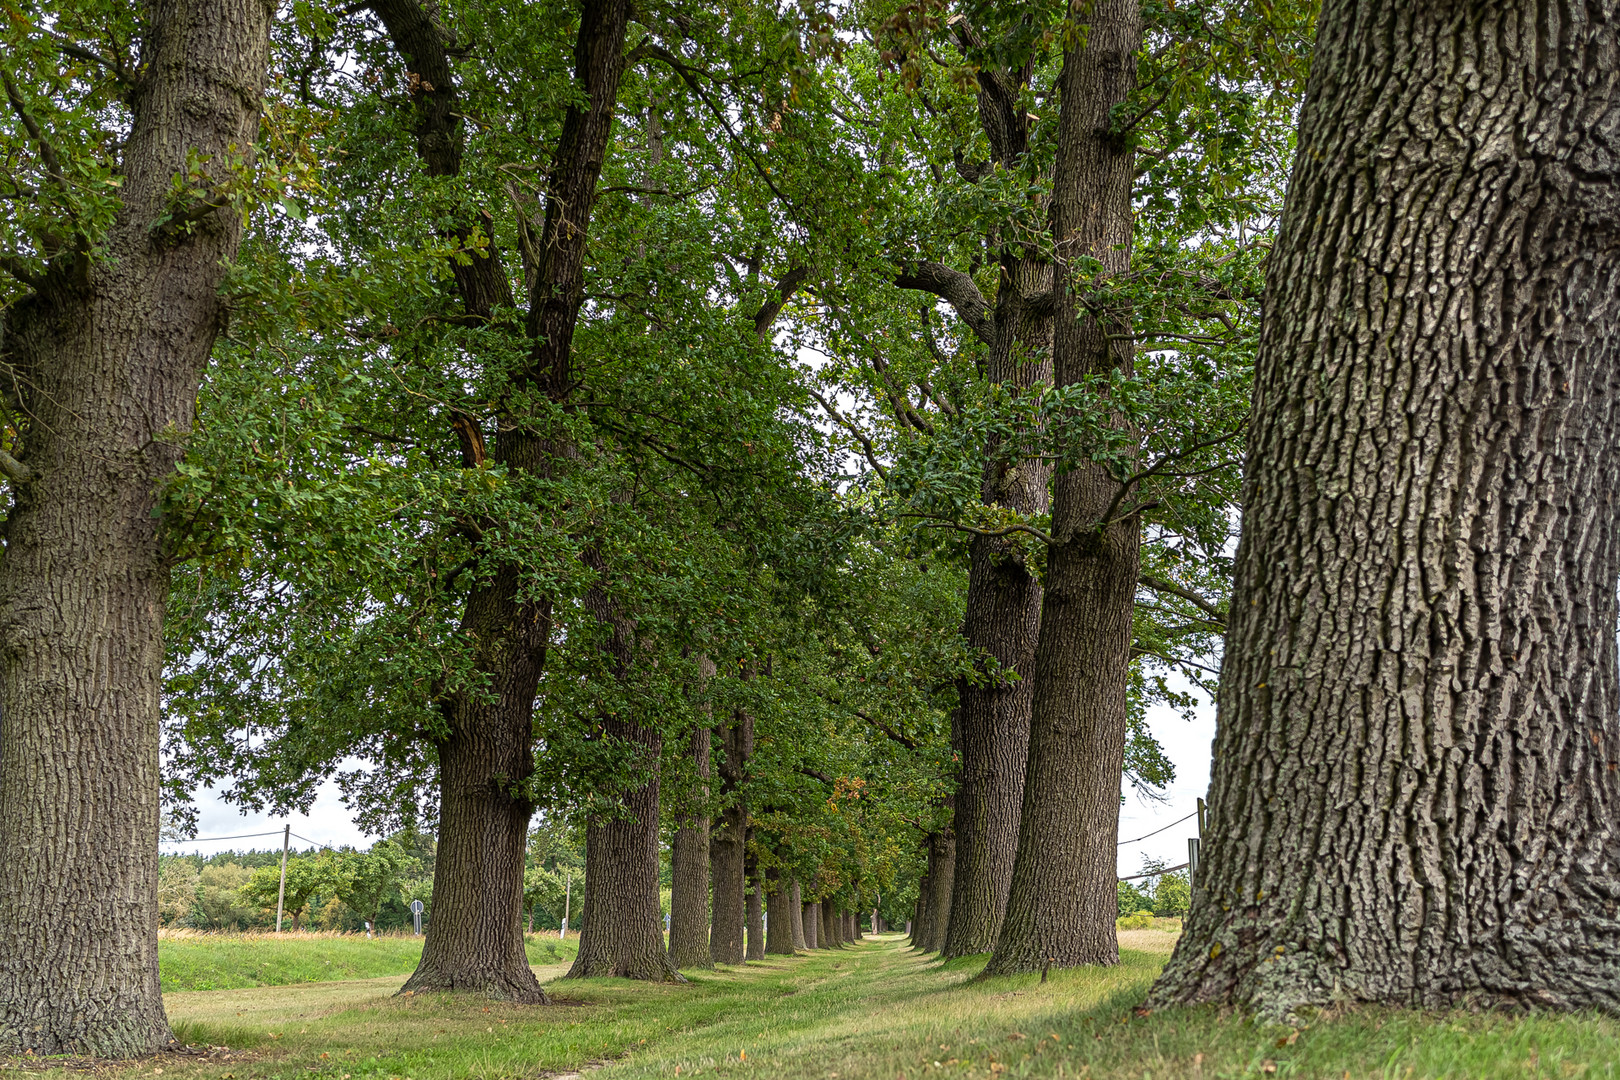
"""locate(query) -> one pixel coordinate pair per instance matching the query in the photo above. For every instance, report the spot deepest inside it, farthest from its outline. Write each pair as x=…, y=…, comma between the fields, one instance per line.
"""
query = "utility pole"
x=567, y=883
x=281, y=893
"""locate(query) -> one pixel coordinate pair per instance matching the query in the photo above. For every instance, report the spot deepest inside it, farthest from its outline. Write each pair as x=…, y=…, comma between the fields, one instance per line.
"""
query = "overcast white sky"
x=328, y=822
x=1187, y=744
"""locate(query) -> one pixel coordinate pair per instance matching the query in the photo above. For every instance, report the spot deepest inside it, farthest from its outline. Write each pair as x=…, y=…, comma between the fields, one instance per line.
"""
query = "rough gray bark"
x=1061, y=906
x=476, y=942
x=829, y=926
x=689, y=873
x=623, y=932
x=796, y=898
x=1003, y=604
x=726, y=847
x=1414, y=798
x=779, y=908
x=99, y=369
x=812, y=925
x=755, y=908
x=473, y=943
x=918, y=927
x=623, y=929
x=941, y=889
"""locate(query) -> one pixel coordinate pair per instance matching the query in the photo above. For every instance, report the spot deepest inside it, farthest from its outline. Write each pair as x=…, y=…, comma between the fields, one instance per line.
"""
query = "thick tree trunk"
x=623, y=933
x=1003, y=606
x=1062, y=902
x=689, y=875
x=100, y=367
x=812, y=925
x=829, y=935
x=920, y=914
x=1414, y=798
x=941, y=889
x=726, y=851
x=510, y=627
x=475, y=940
x=1002, y=621
x=756, y=910
x=779, y=908
x=726, y=945
x=796, y=910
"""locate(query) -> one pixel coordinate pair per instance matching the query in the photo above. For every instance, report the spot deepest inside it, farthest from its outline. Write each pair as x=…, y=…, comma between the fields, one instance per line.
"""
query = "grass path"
x=875, y=1010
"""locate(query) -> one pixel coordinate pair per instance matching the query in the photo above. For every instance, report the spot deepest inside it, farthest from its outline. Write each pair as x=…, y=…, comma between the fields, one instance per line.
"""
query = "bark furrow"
x=1414, y=796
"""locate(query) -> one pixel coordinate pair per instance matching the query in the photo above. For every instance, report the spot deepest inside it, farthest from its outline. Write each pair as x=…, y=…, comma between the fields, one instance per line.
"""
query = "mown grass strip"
x=875, y=1010
x=240, y=961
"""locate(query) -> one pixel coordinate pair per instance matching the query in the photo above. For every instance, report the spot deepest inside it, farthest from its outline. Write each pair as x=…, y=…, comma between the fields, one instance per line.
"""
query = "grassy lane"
x=874, y=1010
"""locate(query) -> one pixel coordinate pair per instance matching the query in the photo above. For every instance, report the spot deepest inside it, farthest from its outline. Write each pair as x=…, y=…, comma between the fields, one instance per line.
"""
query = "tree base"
x=139, y=1036
x=696, y=959
x=1024, y=962
x=520, y=988
x=1285, y=985
x=647, y=969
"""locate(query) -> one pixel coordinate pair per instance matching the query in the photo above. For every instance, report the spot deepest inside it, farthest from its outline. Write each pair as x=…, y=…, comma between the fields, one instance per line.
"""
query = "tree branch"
x=901, y=404
x=18, y=269
x=908, y=743
x=689, y=75
x=786, y=286
x=53, y=163
x=956, y=289
x=1170, y=588
x=942, y=523
x=118, y=67
x=1136, y=478
x=1137, y=651
x=850, y=426
x=15, y=470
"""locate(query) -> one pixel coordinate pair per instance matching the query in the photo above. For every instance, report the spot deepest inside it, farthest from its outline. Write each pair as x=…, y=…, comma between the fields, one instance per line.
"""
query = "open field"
x=871, y=1010
x=197, y=961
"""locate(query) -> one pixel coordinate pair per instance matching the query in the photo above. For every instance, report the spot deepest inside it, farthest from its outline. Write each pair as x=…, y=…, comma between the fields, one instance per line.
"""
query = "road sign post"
x=416, y=914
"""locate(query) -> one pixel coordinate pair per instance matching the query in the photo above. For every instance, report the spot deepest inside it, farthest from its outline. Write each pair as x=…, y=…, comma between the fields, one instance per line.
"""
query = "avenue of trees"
x=772, y=457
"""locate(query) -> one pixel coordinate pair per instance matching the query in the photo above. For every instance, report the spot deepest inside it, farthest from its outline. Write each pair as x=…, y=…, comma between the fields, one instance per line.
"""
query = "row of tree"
x=815, y=432
x=703, y=421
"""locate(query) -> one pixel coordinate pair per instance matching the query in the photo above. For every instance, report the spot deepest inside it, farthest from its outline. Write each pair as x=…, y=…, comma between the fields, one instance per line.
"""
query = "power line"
x=1156, y=873
x=208, y=839
x=317, y=843
x=1156, y=832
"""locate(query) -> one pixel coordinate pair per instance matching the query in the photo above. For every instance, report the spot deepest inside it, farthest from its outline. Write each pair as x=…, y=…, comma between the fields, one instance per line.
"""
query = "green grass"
x=875, y=1010
x=188, y=961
